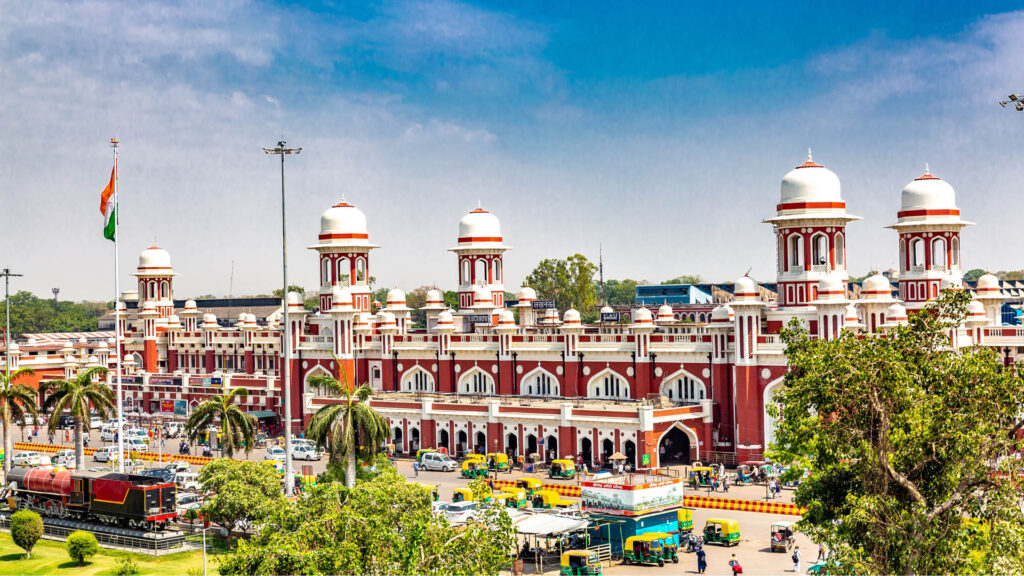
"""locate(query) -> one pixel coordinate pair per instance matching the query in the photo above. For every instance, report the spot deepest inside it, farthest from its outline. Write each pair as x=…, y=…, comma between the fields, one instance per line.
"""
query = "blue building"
x=615, y=529
x=671, y=294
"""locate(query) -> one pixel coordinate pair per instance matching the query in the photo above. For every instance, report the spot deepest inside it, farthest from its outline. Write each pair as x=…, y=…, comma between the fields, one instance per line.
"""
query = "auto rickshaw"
x=580, y=563
x=670, y=547
x=745, y=474
x=685, y=520
x=462, y=495
x=701, y=476
x=722, y=530
x=499, y=462
x=782, y=538
x=434, y=494
x=475, y=457
x=421, y=452
x=516, y=497
x=474, y=468
x=565, y=469
x=531, y=485
x=550, y=499
x=644, y=549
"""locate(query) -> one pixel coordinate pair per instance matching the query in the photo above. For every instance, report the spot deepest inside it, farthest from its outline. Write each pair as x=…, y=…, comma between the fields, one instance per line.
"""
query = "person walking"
x=416, y=468
x=822, y=552
x=725, y=484
x=796, y=560
x=702, y=560
x=733, y=561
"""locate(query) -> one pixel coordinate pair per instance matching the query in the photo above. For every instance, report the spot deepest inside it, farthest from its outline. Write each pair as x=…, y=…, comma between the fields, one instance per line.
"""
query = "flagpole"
x=117, y=321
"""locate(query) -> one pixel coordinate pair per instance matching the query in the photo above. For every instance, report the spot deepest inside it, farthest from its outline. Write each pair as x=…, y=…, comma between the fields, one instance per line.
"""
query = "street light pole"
x=7, y=331
x=282, y=151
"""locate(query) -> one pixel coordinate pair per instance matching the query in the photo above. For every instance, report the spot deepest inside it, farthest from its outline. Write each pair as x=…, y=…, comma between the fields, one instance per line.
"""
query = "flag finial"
x=810, y=158
x=927, y=170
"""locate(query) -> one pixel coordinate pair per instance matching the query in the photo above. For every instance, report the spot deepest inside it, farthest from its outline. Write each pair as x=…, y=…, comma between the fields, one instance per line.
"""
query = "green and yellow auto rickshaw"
x=670, y=547
x=474, y=469
x=685, y=520
x=565, y=469
x=701, y=476
x=722, y=530
x=551, y=499
x=498, y=461
x=462, y=495
x=531, y=485
x=434, y=494
x=782, y=537
x=516, y=497
x=580, y=563
x=644, y=549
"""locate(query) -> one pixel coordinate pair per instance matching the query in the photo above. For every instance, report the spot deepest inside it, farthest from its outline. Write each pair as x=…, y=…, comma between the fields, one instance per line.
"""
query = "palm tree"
x=237, y=430
x=78, y=396
x=15, y=401
x=349, y=427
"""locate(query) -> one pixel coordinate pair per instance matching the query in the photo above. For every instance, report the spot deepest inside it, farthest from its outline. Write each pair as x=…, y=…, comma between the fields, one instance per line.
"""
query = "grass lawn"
x=49, y=557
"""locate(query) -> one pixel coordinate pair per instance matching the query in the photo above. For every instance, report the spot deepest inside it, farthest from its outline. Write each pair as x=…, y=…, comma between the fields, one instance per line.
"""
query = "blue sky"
x=659, y=130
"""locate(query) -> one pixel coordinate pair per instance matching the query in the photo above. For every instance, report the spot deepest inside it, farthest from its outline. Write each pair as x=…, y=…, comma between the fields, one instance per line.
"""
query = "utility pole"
x=55, y=291
x=282, y=150
x=7, y=331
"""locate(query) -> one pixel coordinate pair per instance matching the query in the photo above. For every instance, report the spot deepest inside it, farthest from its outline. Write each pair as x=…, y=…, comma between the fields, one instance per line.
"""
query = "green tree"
x=621, y=292
x=15, y=401
x=30, y=313
x=974, y=274
x=76, y=397
x=82, y=545
x=685, y=279
x=26, y=530
x=909, y=445
x=418, y=299
x=240, y=493
x=385, y=526
x=569, y=282
x=349, y=427
x=237, y=430
x=451, y=299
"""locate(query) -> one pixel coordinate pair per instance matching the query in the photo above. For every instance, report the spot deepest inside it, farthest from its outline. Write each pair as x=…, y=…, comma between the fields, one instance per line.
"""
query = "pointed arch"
x=316, y=370
x=476, y=381
x=417, y=379
x=608, y=384
x=540, y=382
x=691, y=434
x=683, y=387
x=769, y=422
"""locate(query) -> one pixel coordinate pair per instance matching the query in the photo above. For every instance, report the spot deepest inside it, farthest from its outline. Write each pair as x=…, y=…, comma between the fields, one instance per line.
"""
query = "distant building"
x=671, y=294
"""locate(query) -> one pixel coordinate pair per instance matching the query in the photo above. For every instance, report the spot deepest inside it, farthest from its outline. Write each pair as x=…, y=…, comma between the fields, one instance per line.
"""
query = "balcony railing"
x=824, y=268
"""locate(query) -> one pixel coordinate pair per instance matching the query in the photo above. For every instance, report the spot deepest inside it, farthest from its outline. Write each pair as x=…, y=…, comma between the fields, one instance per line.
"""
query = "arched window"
x=917, y=252
x=913, y=291
x=938, y=254
x=683, y=388
x=608, y=384
x=360, y=271
x=325, y=271
x=418, y=380
x=477, y=382
x=819, y=250
x=344, y=268
x=480, y=272
x=903, y=255
x=151, y=291
x=954, y=245
x=780, y=257
x=541, y=383
x=496, y=272
x=165, y=290
x=840, y=248
x=796, y=251
x=466, y=279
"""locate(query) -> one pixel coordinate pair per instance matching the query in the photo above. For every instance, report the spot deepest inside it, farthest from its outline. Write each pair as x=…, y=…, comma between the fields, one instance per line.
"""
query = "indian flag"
x=107, y=206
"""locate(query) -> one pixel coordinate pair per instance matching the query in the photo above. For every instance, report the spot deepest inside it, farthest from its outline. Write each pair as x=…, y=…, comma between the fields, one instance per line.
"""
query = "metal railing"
x=109, y=536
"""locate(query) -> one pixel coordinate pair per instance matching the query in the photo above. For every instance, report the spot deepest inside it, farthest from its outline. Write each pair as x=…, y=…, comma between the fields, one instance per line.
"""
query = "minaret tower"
x=156, y=280
x=929, y=226
x=810, y=227
x=344, y=249
x=480, y=257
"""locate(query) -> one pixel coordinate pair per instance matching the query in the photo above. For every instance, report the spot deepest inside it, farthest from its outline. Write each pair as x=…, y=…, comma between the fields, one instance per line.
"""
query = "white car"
x=438, y=461
x=274, y=453
x=439, y=508
x=187, y=481
x=65, y=458
x=460, y=512
x=137, y=433
x=136, y=445
x=179, y=466
x=108, y=433
x=305, y=453
x=105, y=454
x=189, y=501
x=30, y=458
x=95, y=422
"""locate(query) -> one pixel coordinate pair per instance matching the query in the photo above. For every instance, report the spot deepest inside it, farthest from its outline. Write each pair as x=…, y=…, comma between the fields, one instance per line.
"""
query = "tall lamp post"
x=7, y=331
x=282, y=150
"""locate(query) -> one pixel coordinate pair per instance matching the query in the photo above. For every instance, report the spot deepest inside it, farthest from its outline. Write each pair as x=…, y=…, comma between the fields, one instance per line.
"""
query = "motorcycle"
x=693, y=542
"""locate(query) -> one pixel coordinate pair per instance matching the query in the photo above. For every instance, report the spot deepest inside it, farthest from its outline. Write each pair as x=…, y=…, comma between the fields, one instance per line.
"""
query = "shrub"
x=82, y=545
x=26, y=530
x=194, y=572
x=126, y=566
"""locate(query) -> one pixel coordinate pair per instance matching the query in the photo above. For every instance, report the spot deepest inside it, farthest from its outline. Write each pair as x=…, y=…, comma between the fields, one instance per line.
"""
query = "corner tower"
x=156, y=281
x=480, y=251
x=344, y=247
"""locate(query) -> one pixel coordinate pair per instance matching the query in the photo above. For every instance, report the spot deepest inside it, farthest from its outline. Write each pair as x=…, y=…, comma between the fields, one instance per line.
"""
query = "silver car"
x=438, y=461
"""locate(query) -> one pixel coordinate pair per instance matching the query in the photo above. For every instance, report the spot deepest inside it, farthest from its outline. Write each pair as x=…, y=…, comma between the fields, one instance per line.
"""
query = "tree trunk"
x=8, y=441
x=79, y=445
x=350, y=469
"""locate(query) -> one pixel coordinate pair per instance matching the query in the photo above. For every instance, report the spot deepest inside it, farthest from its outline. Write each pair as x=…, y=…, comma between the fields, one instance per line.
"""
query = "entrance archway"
x=512, y=444
x=531, y=444
x=674, y=448
x=396, y=437
x=462, y=443
x=607, y=449
x=481, y=443
x=769, y=422
x=551, y=448
x=630, y=452
x=414, y=436
x=443, y=442
x=586, y=450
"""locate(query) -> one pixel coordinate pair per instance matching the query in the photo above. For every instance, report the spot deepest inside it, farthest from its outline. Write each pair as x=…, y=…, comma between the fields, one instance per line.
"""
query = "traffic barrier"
x=146, y=456
x=562, y=489
x=743, y=505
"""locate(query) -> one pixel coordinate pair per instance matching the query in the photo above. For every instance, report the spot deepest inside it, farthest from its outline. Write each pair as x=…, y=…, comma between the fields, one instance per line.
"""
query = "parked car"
x=30, y=458
x=305, y=453
x=163, y=474
x=95, y=422
x=461, y=511
x=179, y=466
x=64, y=457
x=65, y=421
x=274, y=453
x=189, y=501
x=439, y=508
x=136, y=445
x=438, y=461
x=188, y=481
x=105, y=454
x=137, y=433
x=108, y=433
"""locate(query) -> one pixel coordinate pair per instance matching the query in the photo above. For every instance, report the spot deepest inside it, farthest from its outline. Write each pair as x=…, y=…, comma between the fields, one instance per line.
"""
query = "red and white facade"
x=487, y=377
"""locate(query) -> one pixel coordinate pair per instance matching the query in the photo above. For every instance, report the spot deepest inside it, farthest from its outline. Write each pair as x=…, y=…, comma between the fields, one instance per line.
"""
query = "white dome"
x=154, y=259
x=975, y=309
x=571, y=316
x=341, y=297
x=149, y=307
x=896, y=314
x=928, y=193
x=721, y=314
x=190, y=305
x=526, y=294
x=387, y=319
x=831, y=287
x=876, y=284
x=396, y=297
x=445, y=318
x=810, y=182
x=209, y=319
x=343, y=219
x=745, y=288
x=851, y=315
x=481, y=295
x=607, y=310
x=173, y=319
x=988, y=282
x=479, y=226
x=434, y=297
x=294, y=299
x=951, y=281
x=506, y=318
x=641, y=316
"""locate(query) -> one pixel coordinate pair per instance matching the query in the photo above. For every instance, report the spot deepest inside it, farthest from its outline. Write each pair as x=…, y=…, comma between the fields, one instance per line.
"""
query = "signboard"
x=609, y=316
x=478, y=318
x=180, y=408
x=127, y=379
x=622, y=499
x=205, y=380
x=645, y=460
x=167, y=406
x=164, y=381
x=543, y=304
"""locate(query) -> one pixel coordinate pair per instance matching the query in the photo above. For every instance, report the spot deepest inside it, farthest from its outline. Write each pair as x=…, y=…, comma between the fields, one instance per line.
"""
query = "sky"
x=656, y=131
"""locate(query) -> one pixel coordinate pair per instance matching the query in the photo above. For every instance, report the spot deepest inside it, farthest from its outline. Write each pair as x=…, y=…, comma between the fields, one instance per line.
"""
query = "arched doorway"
x=414, y=435
x=443, y=442
x=551, y=448
x=769, y=422
x=531, y=444
x=481, y=443
x=586, y=450
x=607, y=449
x=512, y=444
x=462, y=443
x=630, y=452
x=396, y=437
x=674, y=448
